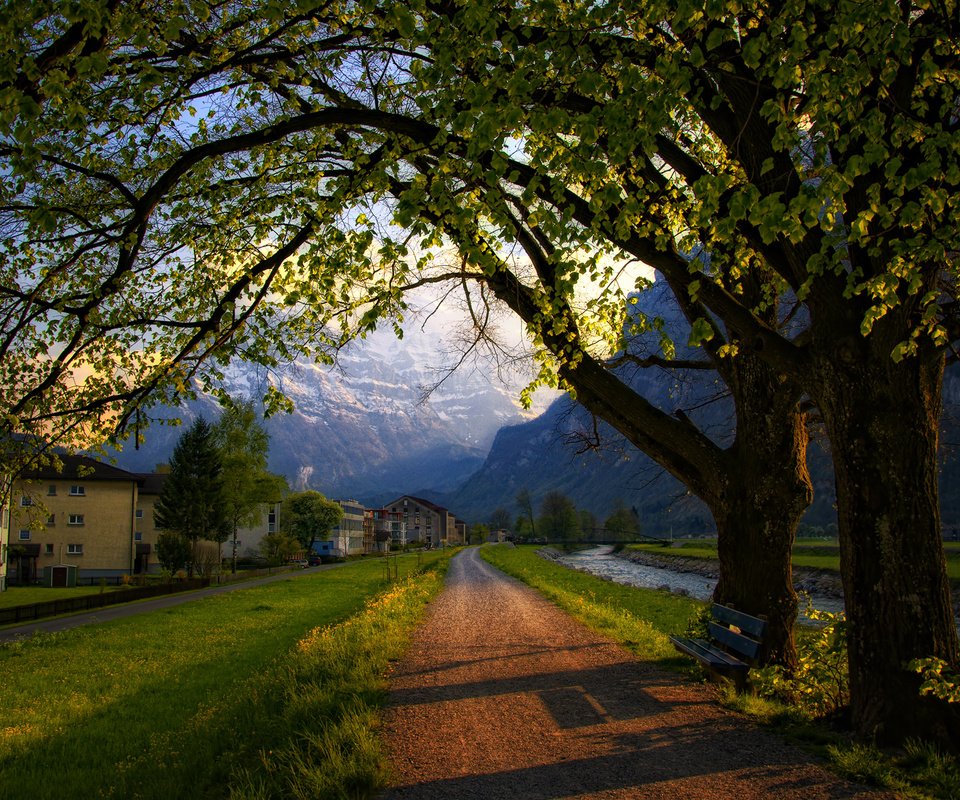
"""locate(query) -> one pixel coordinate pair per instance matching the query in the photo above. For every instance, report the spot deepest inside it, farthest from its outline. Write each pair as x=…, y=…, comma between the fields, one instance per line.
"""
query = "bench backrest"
x=745, y=641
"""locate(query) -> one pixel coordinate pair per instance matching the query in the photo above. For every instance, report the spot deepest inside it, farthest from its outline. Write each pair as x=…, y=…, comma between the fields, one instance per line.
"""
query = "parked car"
x=314, y=561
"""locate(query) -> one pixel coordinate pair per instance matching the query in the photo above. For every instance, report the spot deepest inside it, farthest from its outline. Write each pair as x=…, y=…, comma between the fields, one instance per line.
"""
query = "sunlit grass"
x=187, y=701
x=640, y=619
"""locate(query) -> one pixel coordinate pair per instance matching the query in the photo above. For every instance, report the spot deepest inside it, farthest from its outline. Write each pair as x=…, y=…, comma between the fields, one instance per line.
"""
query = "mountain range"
x=374, y=426
x=369, y=430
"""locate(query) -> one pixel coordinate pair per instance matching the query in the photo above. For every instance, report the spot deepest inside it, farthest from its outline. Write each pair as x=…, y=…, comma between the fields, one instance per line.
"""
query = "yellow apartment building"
x=4, y=534
x=83, y=515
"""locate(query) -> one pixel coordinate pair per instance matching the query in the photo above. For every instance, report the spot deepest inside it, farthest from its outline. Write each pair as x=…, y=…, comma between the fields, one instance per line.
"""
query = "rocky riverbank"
x=821, y=582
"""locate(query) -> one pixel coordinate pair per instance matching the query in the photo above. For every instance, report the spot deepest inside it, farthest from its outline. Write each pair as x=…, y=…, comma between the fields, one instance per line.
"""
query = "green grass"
x=640, y=619
x=226, y=696
x=812, y=553
x=28, y=595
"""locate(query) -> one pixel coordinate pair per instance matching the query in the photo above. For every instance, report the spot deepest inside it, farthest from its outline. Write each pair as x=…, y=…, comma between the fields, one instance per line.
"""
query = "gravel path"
x=502, y=695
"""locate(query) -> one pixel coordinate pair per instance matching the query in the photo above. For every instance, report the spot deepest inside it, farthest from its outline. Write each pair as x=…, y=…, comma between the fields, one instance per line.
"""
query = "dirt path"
x=502, y=695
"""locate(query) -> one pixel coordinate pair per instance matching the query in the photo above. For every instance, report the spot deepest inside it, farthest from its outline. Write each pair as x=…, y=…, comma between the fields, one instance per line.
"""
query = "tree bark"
x=882, y=420
x=768, y=490
x=757, y=489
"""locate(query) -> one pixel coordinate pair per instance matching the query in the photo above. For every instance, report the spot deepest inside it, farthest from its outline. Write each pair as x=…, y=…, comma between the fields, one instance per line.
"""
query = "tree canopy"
x=247, y=484
x=309, y=516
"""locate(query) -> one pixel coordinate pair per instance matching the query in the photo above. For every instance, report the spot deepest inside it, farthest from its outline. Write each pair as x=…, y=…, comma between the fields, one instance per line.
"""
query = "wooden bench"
x=734, y=644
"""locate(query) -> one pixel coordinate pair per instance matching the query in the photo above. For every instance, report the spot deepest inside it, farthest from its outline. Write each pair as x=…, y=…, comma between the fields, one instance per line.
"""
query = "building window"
x=272, y=521
x=24, y=535
x=138, y=537
x=76, y=519
x=52, y=490
x=77, y=491
x=139, y=513
x=26, y=501
x=51, y=520
x=48, y=549
x=74, y=549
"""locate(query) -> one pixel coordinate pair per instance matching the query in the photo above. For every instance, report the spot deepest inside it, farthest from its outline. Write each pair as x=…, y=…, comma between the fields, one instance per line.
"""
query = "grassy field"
x=640, y=619
x=266, y=691
x=815, y=553
x=27, y=595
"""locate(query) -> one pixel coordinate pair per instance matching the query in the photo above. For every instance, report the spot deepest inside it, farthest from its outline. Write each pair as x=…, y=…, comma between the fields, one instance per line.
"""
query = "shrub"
x=938, y=678
x=819, y=686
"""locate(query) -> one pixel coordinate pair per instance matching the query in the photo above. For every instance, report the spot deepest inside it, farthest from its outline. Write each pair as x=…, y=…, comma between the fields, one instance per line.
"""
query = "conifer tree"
x=191, y=502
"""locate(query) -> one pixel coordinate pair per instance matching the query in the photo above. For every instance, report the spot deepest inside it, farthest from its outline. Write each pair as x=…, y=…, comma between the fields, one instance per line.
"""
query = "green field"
x=213, y=698
x=28, y=595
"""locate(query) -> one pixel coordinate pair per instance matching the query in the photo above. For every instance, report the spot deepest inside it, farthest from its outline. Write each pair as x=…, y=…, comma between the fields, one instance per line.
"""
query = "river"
x=600, y=561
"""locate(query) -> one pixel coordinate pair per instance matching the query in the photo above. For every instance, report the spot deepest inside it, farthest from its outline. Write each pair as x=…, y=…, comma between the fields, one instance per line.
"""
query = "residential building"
x=426, y=522
x=4, y=532
x=145, y=531
x=347, y=536
x=82, y=515
x=383, y=530
x=249, y=537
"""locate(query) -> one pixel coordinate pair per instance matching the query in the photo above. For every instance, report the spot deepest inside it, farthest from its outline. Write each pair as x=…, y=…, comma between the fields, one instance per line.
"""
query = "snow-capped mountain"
x=368, y=427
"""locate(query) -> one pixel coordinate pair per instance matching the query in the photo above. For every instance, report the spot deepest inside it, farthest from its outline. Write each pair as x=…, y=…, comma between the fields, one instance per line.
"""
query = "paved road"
x=142, y=606
x=502, y=695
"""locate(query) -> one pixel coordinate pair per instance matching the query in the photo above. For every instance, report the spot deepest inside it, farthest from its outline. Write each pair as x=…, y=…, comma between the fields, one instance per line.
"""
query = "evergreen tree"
x=173, y=551
x=191, y=502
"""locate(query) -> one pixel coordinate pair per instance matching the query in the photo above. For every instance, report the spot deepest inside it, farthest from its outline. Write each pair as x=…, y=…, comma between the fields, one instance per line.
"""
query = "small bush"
x=819, y=686
x=939, y=679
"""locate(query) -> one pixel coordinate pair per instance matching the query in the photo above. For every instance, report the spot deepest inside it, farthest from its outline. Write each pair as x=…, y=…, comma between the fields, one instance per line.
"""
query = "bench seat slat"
x=737, y=642
x=752, y=626
x=706, y=653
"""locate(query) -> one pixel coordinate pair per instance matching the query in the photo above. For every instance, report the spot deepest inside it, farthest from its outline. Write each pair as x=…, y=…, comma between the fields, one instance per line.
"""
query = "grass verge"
x=263, y=692
x=641, y=619
x=28, y=595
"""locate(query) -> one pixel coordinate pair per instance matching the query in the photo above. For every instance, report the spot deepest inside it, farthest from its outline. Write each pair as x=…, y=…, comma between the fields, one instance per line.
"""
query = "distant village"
x=91, y=521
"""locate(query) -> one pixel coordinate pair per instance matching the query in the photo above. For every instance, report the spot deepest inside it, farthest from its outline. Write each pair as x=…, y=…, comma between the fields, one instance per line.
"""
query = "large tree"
x=191, y=501
x=806, y=155
x=791, y=172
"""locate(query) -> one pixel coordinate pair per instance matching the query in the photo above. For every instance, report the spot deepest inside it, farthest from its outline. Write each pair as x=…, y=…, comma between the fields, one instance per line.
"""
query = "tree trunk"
x=768, y=489
x=882, y=420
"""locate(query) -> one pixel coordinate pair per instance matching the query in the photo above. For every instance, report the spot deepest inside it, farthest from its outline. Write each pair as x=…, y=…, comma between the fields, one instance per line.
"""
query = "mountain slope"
x=364, y=429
